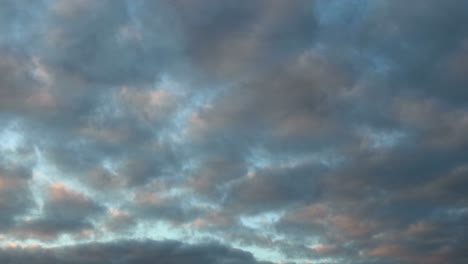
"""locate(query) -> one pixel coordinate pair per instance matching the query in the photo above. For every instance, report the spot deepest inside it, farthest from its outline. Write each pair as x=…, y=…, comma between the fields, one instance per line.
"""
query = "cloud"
x=64, y=211
x=15, y=196
x=129, y=252
x=300, y=131
x=104, y=44
x=235, y=37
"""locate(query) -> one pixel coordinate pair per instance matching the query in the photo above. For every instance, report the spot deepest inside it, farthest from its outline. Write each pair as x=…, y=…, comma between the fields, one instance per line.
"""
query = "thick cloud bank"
x=124, y=252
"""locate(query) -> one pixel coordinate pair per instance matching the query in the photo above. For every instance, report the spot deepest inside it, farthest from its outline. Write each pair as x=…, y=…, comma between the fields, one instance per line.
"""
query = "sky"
x=234, y=131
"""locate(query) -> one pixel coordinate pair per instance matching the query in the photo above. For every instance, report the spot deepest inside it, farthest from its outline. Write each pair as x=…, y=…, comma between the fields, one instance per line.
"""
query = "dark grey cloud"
x=276, y=188
x=296, y=100
x=15, y=196
x=64, y=211
x=152, y=206
x=234, y=37
x=17, y=83
x=105, y=43
x=130, y=252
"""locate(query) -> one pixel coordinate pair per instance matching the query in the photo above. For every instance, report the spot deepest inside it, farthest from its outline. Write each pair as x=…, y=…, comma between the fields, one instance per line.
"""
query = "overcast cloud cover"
x=234, y=131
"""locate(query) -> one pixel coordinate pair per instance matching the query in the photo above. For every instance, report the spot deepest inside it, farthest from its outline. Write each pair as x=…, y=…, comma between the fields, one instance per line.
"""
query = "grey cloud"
x=177, y=210
x=411, y=42
x=358, y=110
x=141, y=168
x=170, y=252
x=275, y=188
x=102, y=43
x=213, y=175
x=15, y=196
x=64, y=211
x=20, y=24
x=296, y=101
x=17, y=82
x=234, y=37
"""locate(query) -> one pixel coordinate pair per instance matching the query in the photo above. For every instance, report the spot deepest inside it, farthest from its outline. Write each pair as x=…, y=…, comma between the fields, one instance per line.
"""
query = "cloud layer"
x=123, y=252
x=325, y=131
